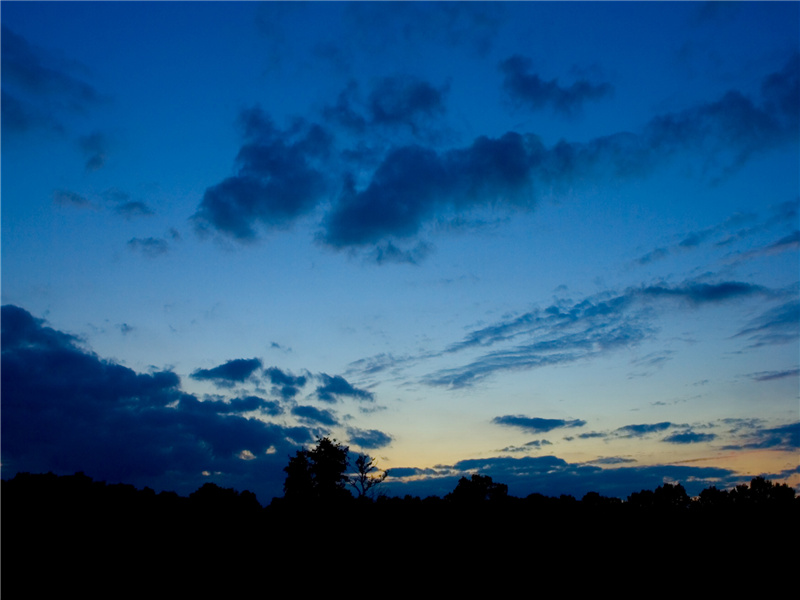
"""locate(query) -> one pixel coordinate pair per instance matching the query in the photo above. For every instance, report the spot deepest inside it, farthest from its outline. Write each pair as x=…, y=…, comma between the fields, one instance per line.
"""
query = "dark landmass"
x=62, y=533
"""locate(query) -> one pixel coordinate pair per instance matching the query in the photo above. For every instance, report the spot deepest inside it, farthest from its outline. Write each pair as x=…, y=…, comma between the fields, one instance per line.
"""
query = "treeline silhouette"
x=61, y=529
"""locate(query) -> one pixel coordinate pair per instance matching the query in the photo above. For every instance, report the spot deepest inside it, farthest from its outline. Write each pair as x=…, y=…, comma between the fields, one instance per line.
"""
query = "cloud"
x=38, y=89
x=233, y=371
x=527, y=89
x=315, y=416
x=689, y=437
x=567, y=332
x=773, y=375
x=333, y=388
x=403, y=100
x=395, y=192
x=535, y=424
x=369, y=439
x=66, y=410
x=550, y=475
x=642, y=429
x=94, y=147
x=413, y=183
x=133, y=209
x=278, y=179
x=233, y=406
x=778, y=325
x=285, y=384
x=149, y=246
x=67, y=198
x=784, y=437
x=704, y=293
x=398, y=101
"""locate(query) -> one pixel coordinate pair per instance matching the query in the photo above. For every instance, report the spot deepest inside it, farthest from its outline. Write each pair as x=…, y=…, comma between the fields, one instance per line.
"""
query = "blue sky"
x=554, y=243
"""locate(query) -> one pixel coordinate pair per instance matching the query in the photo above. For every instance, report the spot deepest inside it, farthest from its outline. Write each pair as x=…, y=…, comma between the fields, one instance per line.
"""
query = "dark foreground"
x=71, y=535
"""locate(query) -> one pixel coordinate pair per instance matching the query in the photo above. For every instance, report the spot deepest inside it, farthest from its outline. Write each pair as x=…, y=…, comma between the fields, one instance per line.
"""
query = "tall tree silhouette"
x=367, y=477
x=318, y=473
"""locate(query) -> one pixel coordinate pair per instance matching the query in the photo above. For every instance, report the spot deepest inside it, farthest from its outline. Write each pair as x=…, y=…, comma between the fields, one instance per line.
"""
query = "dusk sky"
x=552, y=243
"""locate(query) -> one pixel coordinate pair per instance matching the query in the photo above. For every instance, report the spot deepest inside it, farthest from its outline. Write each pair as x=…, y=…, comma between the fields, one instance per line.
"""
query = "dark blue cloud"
x=553, y=476
x=784, y=437
x=335, y=387
x=529, y=90
x=285, y=384
x=315, y=416
x=642, y=429
x=67, y=410
x=702, y=293
x=415, y=184
x=369, y=439
x=232, y=406
x=535, y=424
x=278, y=180
x=403, y=100
x=689, y=437
x=237, y=370
x=36, y=90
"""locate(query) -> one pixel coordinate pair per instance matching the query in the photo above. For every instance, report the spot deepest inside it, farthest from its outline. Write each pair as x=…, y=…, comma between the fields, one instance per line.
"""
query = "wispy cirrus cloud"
x=566, y=332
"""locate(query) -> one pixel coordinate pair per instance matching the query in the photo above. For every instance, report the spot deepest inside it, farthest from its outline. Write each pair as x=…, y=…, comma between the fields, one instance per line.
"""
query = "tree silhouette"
x=478, y=489
x=367, y=476
x=318, y=473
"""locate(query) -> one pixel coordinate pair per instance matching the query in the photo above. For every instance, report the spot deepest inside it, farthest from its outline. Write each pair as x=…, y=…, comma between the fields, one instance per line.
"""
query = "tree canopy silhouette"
x=318, y=474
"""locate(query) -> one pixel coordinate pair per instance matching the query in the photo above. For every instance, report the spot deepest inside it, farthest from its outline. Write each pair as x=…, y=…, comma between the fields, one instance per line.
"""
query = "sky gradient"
x=553, y=243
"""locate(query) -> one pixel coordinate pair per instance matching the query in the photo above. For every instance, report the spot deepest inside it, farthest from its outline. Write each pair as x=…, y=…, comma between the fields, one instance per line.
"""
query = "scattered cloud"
x=233, y=371
x=285, y=384
x=38, y=88
x=529, y=90
x=67, y=198
x=784, y=437
x=94, y=147
x=315, y=416
x=773, y=375
x=335, y=387
x=689, y=437
x=777, y=325
x=642, y=429
x=399, y=101
x=133, y=209
x=553, y=476
x=149, y=246
x=369, y=439
x=535, y=424
x=276, y=182
x=567, y=332
x=67, y=410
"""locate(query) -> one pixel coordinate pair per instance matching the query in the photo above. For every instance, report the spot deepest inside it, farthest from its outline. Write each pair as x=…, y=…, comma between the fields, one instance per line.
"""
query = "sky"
x=552, y=243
